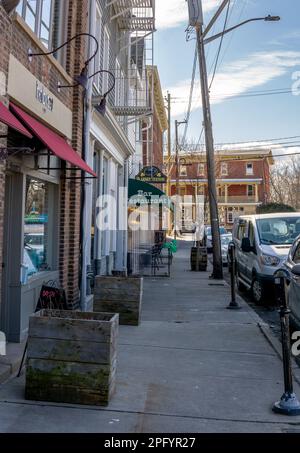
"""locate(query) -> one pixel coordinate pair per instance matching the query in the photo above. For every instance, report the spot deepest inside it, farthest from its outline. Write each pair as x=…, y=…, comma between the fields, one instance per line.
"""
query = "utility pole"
x=210, y=153
x=196, y=21
x=177, y=163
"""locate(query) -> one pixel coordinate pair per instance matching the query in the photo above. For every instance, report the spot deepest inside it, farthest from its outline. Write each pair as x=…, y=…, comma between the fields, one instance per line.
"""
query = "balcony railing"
x=238, y=199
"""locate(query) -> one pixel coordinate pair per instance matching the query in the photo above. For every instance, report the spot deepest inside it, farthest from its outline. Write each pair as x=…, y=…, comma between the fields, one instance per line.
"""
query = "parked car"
x=292, y=265
x=34, y=244
x=208, y=237
x=225, y=241
x=262, y=244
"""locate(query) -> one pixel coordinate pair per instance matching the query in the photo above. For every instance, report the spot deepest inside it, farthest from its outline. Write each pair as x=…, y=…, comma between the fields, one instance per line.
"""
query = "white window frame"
x=22, y=8
x=97, y=60
x=183, y=170
x=224, y=169
x=202, y=171
x=106, y=60
x=230, y=217
x=248, y=190
x=249, y=169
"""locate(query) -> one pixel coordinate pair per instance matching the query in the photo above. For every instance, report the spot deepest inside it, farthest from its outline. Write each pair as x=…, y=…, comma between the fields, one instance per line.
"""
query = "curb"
x=276, y=345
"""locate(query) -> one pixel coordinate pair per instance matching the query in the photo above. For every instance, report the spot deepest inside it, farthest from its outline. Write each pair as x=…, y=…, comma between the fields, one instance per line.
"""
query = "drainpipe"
x=98, y=232
x=126, y=180
x=87, y=190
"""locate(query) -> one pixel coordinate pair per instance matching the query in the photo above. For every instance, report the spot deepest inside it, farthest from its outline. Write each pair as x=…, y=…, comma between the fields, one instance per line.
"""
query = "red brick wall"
x=157, y=158
x=71, y=191
x=5, y=41
x=236, y=170
x=13, y=39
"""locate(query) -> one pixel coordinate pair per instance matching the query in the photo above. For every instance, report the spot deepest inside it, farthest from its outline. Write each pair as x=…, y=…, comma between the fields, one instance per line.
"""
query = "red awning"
x=10, y=120
x=52, y=140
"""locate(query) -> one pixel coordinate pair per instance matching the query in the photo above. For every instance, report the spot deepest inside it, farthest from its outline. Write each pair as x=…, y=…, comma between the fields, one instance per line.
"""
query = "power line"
x=191, y=96
x=247, y=95
x=220, y=46
x=262, y=140
x=234, y=31
x=217, y=60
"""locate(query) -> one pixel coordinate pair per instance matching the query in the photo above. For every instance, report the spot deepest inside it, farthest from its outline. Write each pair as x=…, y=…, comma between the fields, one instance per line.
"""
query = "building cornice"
x=113, y=132
x=159, y=103
x=233, y=155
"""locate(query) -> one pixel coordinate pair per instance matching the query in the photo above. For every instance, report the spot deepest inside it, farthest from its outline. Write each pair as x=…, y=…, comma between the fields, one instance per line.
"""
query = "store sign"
x=28, y=91
x=151, y=174
x=43, y=97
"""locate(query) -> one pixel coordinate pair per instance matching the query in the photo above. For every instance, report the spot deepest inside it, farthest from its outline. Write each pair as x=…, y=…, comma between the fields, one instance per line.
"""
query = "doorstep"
x=10, y=363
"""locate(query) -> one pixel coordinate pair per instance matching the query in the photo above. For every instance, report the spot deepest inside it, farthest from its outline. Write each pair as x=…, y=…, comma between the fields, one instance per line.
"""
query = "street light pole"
x=168, y=99
x=196, y=21
x=209, y=140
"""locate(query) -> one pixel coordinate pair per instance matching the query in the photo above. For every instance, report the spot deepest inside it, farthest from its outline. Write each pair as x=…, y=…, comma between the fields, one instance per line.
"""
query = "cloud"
x=172, y=13
x=237, y=78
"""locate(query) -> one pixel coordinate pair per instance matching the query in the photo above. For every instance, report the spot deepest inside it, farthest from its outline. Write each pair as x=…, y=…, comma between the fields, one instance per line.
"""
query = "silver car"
x=292, y=265
x=208, y=237
x=262, y=245
x=225, y=241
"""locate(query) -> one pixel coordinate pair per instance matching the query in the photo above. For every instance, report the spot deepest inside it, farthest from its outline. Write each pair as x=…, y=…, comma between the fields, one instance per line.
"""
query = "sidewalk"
x=192, y=366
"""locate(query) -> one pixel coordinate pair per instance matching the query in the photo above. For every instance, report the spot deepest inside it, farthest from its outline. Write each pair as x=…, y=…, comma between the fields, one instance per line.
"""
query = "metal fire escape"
x=137, y=17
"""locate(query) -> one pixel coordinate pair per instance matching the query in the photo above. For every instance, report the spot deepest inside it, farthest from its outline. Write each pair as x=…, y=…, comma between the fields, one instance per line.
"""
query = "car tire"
x=257, y=291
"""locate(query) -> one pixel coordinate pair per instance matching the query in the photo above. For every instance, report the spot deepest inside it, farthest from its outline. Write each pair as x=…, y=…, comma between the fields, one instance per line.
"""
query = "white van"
x=262, y=244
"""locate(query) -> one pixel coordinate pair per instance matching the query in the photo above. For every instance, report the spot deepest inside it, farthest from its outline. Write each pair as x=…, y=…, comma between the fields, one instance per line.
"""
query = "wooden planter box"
x=121, y=295
x=72, y=357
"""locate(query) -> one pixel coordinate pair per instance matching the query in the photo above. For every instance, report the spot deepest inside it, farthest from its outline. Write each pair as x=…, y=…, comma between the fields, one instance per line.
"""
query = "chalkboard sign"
x=52, y=298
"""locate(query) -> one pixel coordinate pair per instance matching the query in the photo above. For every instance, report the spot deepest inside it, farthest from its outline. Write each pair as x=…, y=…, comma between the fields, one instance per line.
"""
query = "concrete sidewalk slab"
x=191, y=366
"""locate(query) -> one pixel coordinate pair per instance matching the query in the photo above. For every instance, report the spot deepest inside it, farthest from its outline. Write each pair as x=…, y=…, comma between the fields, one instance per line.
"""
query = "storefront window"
x=39, y=228
x=38, y=15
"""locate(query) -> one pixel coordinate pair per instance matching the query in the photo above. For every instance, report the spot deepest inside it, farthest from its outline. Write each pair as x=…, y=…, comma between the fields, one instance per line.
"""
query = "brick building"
x=40, y=199
x=243, y=181
x=153, y=137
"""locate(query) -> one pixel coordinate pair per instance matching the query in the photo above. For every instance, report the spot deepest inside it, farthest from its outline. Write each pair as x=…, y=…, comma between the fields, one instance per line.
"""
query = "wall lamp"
x=83, y=78
x=99, y=102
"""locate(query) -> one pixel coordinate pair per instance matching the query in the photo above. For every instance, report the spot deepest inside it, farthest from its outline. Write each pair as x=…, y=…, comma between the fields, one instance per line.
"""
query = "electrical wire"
x=220, y=46
x=216, y=61
x=259, y=141
x=274, y=91
x=190, y=97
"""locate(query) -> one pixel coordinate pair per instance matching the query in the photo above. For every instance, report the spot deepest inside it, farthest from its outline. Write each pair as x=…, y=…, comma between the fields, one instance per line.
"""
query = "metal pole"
x=233, y=304
x=169, y=145
x=177, y=176
x=212, y=190
x=289, y=404
x=87, y=192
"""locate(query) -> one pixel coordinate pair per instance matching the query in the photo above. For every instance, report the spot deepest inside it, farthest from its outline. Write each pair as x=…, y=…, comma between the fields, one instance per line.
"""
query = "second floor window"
x=249, y=169
x=201, y=170
x=38, y=16
x=183, y=170
x=224, y=169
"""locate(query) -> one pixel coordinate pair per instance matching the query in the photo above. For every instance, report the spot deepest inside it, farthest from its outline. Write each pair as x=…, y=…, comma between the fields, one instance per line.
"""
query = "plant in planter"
x=72, y=357
x=121, y=295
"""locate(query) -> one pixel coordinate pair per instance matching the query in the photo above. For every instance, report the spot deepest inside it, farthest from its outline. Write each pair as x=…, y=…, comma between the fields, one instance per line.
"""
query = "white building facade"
x=114, y=136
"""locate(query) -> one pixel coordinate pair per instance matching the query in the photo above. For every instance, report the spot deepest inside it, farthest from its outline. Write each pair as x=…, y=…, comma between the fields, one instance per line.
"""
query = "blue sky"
x=257, y=56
